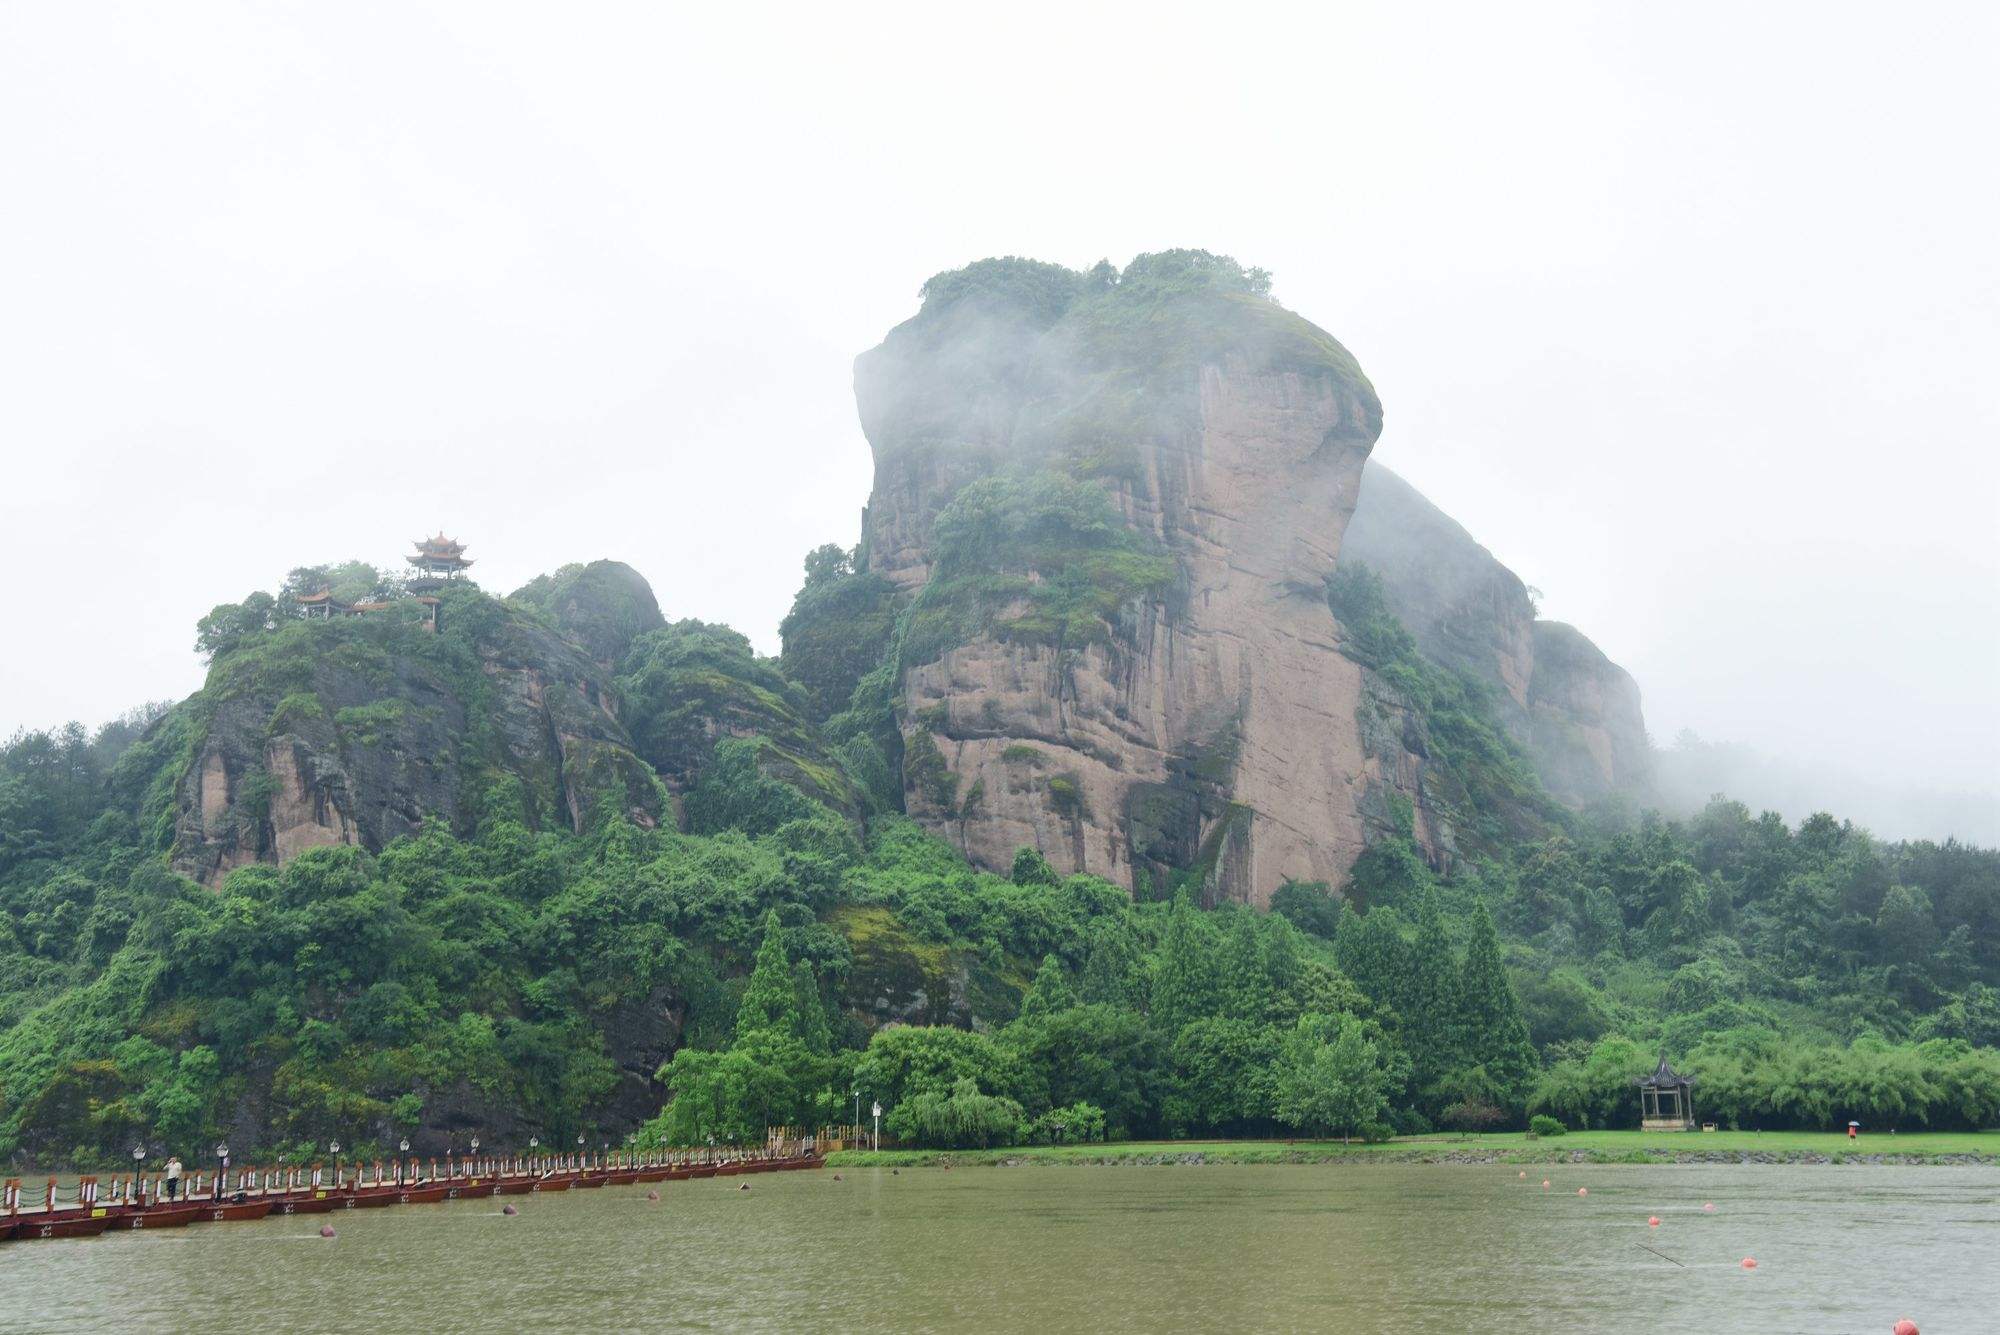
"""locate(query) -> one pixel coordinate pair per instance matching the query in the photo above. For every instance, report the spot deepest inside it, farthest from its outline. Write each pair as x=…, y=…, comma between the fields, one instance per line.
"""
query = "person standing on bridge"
x=173, y=1172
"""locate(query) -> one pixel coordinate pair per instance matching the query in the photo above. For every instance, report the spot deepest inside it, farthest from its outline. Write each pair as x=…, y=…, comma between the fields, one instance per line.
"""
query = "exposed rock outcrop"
x=1059, y=691
x=355, y=732
x=1574, y=711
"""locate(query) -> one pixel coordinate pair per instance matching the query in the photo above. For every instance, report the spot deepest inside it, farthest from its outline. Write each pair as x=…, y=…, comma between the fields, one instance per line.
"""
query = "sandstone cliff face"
x=1213, y=733
x=352, y=733
x=1574, y=711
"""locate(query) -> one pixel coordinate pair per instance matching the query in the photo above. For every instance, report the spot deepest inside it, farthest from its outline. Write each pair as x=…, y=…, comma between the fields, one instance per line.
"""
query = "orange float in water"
x=1905, y=1327
x=1523, y=1173
x=1653, y=1220
x=1749, y=1263
x=1545, y=1184
x=1583, y=1191
x=1708, y=1207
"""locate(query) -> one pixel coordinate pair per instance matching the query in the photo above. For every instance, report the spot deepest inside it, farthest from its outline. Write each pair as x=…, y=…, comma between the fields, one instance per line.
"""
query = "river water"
x=1390, y=1248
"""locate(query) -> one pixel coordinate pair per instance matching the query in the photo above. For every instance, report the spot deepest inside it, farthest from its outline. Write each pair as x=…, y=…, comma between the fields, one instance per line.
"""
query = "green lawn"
x=1505, y=1147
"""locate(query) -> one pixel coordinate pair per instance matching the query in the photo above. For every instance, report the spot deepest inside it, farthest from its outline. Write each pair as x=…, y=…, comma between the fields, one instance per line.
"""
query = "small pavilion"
x=1666, y=1099
x=437, y=559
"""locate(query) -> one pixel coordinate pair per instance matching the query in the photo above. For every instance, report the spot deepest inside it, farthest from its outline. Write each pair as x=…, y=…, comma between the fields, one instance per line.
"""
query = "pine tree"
x=1051, y=993
x=1282, y=965
x=812, y=1028
x=1496, y=1037
x=771, y=1001
x=1371, y=951
x=1243, y=987
x=1111, y=968
x=1184, y=981
x=1433, y=1021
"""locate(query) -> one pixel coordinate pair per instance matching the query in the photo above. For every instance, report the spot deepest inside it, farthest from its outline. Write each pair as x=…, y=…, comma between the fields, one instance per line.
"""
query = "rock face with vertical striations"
x=1113, y=505
x=1117, y=500
x=1574, y=711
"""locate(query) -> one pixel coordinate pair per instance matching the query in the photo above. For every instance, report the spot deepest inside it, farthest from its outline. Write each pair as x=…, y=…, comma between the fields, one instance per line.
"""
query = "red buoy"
x=326, y=1230
x=1583, y=1191
x=1905, y=1327
x=1524, y=1172
x=1749, y=1263
x=1708, y=1207
x=1654, y=1220
x=1545, y=1184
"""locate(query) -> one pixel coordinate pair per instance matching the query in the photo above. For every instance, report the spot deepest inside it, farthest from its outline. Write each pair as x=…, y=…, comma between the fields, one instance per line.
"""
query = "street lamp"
x=878, y=1125
x=402, y=1149
x=138, y=1157
x=857, y=1105
x=221, y=1169
x=335, y=1147
x=475, y=1154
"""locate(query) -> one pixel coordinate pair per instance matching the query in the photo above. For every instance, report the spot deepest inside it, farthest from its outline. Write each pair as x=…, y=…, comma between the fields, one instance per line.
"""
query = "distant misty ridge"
x=1691, y=771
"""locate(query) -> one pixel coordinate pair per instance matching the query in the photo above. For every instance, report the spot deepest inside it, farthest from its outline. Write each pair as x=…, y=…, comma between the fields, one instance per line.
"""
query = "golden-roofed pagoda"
x=439, y=558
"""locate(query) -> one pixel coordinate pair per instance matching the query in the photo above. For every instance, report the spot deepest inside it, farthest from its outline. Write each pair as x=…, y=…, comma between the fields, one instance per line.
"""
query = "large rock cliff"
x=1119, y=499
x=1573, y=710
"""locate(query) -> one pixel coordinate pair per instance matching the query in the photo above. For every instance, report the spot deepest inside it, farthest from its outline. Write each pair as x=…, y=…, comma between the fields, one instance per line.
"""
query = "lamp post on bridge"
x=877, y=1109
x=402, y=1154
x=338, y=1178
x=534, y=1152
x=475, y=1156
x=221, y=1169
x=138, y=1187
x=579, y=1151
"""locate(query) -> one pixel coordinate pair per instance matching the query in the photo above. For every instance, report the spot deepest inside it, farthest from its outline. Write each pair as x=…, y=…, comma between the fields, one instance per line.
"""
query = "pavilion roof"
x=1664, y=1076
x=440, y=546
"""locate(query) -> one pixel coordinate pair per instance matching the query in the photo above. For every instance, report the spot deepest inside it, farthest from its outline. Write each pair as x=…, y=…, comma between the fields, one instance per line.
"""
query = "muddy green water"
x=1339, y=1248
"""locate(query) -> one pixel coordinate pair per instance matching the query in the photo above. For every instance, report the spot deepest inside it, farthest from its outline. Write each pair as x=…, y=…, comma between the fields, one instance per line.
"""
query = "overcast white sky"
x=1689, y=313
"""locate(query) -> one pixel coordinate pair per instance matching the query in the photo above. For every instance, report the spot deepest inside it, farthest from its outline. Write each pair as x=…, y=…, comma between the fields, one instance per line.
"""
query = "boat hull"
x=318, y=1203
x=231, y=1212
x=158, y=1217
x=68, y=1226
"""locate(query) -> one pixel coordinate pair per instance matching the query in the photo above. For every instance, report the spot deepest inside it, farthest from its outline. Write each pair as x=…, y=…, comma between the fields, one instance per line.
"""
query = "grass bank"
x=1804, y=1147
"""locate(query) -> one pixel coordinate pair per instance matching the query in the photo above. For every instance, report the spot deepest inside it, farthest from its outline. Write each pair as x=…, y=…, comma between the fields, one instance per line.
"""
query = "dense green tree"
x=1243, y=987
x=1331, y=1076
x=1495, y=1035
x=1185, y=987
x=1309, y=905
x=1031, y=868
x=1432, y=1009
x=1050, y=992
x=1223, y=1071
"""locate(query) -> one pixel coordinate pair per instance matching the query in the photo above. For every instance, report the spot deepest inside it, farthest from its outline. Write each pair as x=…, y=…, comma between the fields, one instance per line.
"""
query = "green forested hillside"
x=508, y=972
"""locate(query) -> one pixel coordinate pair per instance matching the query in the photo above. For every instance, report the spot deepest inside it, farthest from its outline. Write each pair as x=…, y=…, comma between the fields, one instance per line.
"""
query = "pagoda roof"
x=1664, y=1076
x=440, y=546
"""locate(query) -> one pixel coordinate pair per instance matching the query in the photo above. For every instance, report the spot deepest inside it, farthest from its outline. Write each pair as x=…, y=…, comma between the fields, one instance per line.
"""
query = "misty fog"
x=1690, y=318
